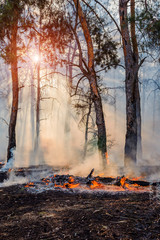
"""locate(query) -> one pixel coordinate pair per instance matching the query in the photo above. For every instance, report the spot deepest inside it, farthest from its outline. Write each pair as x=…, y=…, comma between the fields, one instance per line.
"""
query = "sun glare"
x=35, y=58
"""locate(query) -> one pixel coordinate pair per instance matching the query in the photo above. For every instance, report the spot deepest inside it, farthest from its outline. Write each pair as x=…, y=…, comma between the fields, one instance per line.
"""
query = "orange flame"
x=127, y=185
x=137, y=178
x=95, y=185
x=71, y=179
x=122, y=181
x=107, y=158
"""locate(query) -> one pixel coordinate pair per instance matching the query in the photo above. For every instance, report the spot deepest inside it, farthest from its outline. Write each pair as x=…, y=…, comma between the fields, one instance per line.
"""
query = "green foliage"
x=148, y=21
x=11, y=15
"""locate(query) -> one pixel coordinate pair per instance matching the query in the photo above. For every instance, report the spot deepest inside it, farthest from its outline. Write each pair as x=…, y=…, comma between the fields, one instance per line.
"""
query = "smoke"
x=61, y=141
x=14, y=180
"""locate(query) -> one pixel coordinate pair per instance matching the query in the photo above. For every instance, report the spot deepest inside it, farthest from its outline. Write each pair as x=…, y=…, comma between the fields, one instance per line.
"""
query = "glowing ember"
x=30, y=184
x=71, y=179
x=67, y=185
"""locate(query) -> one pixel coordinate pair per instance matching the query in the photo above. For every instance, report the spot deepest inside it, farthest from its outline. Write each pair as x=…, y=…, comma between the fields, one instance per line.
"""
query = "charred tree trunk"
x=130, y=86
x=15, y=92
x=96, y=98
x=136, y=63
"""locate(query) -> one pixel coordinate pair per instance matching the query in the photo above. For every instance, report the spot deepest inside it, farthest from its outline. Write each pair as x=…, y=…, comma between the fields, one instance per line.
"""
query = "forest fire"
x=104, y=184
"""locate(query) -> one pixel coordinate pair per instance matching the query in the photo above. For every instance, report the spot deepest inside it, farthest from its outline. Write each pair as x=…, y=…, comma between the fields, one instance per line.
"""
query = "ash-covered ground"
x=59, y=213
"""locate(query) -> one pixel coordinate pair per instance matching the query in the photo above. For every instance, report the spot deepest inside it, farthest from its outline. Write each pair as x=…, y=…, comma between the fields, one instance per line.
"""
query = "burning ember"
x=30, y=184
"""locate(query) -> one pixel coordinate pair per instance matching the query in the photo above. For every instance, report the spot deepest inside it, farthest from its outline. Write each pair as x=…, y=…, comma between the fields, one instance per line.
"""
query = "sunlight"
x=35, y=58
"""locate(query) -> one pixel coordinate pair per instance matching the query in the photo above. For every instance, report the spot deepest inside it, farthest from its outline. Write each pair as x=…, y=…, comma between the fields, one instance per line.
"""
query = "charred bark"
x=15, y=92
x=131, y=85
x=136, y=64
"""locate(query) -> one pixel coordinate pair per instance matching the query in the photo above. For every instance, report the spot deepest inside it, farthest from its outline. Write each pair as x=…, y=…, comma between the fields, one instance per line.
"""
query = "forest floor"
x=61, y=214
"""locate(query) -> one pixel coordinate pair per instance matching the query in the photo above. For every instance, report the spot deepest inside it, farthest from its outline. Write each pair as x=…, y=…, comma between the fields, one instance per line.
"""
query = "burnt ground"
x=63, y=214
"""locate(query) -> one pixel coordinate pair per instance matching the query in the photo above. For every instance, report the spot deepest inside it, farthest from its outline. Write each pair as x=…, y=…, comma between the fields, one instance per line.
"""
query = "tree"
x=91, y=75
x=10, y=19
x=130, y=50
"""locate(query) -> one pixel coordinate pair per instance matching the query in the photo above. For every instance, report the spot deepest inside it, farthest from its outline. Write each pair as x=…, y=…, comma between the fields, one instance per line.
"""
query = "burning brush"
x=93, y=183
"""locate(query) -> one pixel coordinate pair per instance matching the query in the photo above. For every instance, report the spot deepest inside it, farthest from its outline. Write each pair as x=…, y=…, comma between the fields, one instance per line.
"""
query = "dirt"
x=60, y=214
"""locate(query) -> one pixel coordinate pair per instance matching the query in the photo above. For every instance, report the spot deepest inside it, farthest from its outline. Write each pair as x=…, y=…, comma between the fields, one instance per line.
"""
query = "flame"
x=71, y=179
x=95, y=184
x=69, y=184
x=128, y=186
x=122, y=181
x=101, y=174
x=107, y=158
x=137, y=178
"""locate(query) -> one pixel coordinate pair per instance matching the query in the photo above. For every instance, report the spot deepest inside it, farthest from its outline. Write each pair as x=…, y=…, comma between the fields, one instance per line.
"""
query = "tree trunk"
x=32, y=111
x=86, y=130
x=130, y=85
x=38, y=89
x=93, y=85
x=136, y=63
x=15, y=93
x=38, y=106
x=100, y=126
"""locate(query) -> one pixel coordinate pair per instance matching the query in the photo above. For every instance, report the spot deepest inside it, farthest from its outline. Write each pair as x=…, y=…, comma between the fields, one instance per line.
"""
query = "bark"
x=86, y=131
x=15, y=92
x=154, y=114
x=130, y=86
x=69, y=70
x=136, y=63
x=38, y=91
x=32, y=111
x=96, y=98
x=38, y=106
